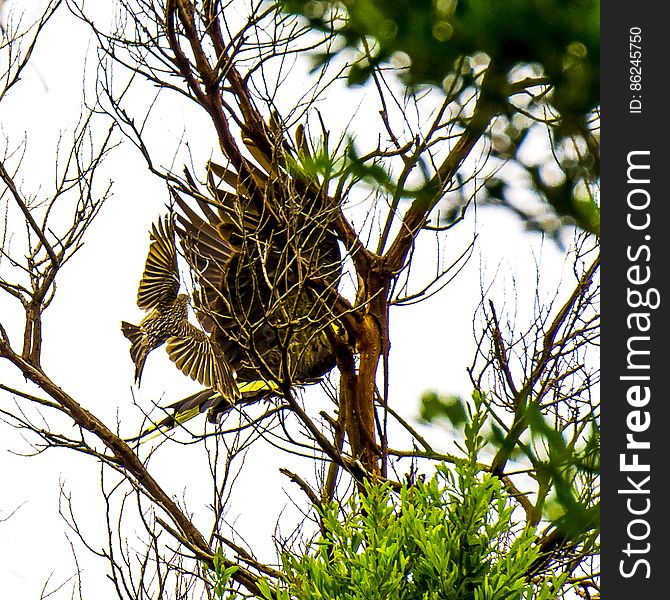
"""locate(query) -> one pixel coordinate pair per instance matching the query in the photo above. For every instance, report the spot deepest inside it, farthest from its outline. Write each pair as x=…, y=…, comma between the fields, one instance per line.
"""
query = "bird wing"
x=160, y=281
x=208, y=251
x=197, y=357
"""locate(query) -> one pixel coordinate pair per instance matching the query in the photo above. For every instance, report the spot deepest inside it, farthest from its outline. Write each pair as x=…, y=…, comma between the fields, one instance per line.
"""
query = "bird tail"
x=211, y=401
x=137, y=349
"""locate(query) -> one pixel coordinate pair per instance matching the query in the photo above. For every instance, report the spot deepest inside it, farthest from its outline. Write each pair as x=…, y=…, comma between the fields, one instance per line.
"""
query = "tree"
x=558, y=47
x=301, y=239
x=445, y=538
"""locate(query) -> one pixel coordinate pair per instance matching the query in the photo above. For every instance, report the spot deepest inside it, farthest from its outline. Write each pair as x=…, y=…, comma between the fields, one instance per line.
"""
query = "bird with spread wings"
x=266, y=264
x=166, y=321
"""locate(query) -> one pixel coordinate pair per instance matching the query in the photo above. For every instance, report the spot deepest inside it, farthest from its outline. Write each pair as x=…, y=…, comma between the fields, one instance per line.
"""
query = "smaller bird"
x=167, y=321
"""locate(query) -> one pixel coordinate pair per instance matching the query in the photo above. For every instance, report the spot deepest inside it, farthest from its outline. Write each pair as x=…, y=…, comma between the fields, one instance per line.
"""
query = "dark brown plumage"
x=167, y=321
x=265, y=270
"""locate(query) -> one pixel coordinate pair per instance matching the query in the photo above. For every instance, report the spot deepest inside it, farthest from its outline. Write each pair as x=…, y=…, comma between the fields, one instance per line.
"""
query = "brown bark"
x=123, y=457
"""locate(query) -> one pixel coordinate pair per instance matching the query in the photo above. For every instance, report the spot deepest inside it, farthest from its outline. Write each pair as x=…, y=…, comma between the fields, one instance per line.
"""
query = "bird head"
x=183, y=301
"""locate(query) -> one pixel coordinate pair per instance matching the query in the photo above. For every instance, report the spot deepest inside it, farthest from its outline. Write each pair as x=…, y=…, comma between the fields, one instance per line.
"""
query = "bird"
x=166, y=321
x=266, y=264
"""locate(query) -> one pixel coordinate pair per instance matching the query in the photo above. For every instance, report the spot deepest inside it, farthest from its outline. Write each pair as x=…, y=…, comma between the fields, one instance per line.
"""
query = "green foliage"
x=571, y=471
x=432, y=34
x=556, y=44
x=568, y=471
x=449, y=538
x=569, y=198
x=435, y=407
x=220, y=576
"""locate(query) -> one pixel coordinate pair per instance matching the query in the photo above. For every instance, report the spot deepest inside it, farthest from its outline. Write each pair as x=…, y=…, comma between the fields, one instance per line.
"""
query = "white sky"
x=86, y=354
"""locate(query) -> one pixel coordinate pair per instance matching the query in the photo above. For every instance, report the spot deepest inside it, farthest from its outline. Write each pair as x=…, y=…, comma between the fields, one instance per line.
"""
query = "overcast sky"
x=86, y=354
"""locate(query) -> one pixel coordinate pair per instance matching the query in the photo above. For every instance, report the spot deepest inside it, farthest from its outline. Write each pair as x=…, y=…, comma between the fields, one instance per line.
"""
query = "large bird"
x=167, y=321
x=266, y=266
